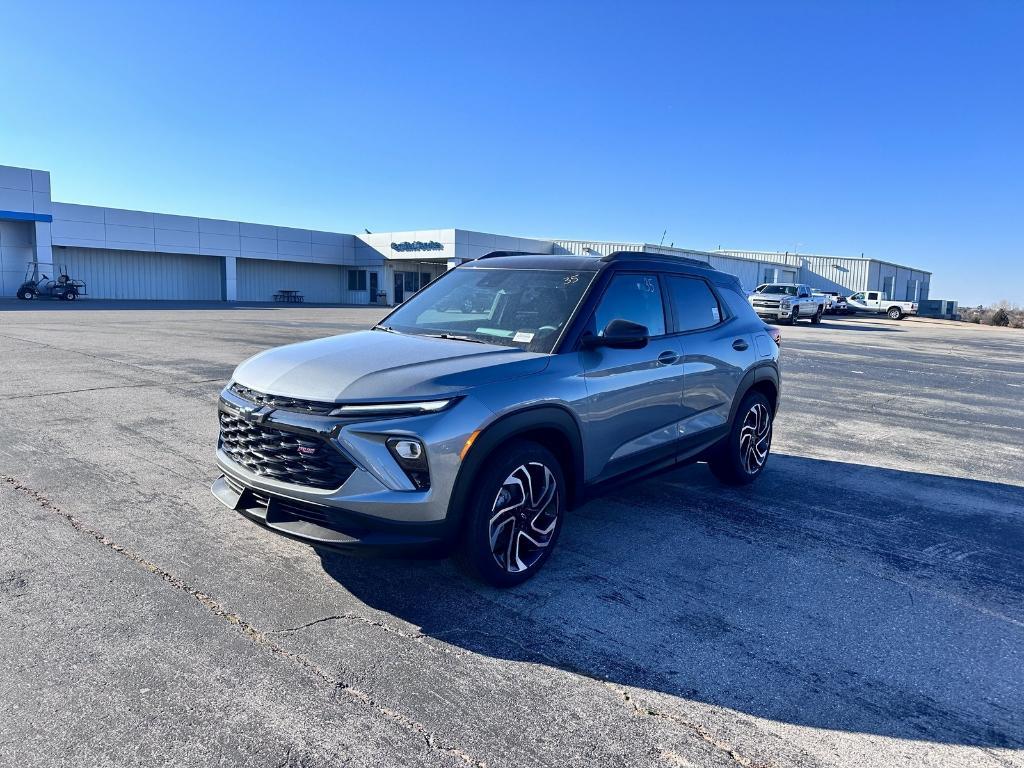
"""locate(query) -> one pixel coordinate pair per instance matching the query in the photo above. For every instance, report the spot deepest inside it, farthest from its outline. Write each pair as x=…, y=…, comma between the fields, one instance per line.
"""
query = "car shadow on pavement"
x=809, y=598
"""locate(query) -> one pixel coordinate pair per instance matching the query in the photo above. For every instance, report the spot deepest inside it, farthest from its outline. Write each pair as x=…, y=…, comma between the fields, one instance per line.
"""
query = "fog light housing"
x=412, y=458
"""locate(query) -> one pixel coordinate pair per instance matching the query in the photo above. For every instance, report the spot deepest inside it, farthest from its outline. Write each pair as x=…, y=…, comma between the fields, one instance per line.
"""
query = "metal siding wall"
x=748, y=272
x=111, y=274
x=260, y=279
x=831, y=274
x=16, y=251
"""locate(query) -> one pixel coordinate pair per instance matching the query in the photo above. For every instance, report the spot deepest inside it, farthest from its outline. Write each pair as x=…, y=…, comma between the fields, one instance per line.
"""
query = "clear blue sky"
x=892, y=129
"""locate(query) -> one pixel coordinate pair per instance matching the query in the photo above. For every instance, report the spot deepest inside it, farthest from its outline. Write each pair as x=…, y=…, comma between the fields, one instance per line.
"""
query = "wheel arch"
x=763, y=378
x=552, y=426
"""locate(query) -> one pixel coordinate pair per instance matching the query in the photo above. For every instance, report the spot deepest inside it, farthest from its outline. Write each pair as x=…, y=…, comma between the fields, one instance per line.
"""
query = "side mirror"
x=619, y=334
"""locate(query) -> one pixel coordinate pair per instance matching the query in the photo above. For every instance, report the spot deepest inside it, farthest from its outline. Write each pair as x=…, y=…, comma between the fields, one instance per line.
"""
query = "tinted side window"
x=636, y=298
x=695, y=305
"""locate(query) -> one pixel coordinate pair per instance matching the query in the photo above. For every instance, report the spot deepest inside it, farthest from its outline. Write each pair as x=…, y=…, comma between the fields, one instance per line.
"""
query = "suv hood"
x=376, y=365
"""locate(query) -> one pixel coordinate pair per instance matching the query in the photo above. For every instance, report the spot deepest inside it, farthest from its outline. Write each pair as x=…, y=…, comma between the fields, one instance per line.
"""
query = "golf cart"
x=42, y=286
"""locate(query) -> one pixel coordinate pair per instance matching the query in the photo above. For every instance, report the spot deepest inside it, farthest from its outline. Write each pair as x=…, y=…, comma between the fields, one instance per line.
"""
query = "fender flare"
x=766, y=371
x=508, y=427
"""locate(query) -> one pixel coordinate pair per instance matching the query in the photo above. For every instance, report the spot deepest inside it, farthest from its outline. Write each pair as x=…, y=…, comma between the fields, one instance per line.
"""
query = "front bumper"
x=376, y=507
x=333, y=527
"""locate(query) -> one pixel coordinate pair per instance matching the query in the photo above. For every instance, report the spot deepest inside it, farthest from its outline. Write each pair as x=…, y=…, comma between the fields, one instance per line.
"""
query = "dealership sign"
x=418, y=245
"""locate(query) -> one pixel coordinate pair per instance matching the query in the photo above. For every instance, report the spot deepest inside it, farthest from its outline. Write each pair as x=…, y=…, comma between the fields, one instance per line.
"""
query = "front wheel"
x=895, y=313
x=516, y=514
x=27, y=294
x=741, y=456
x=817, y=316
x=794, y=315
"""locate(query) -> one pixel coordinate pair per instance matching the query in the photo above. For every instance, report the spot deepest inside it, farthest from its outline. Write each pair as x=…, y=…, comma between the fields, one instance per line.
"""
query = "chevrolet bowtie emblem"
x=256, y=414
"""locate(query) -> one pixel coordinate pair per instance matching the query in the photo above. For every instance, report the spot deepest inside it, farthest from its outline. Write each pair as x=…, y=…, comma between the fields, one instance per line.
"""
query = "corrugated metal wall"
x=113, y=274
x=259, y=280
x=16, y=252
x=848, y=275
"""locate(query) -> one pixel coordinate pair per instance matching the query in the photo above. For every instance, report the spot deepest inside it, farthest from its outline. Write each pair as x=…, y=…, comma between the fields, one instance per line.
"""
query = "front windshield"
x=525, y=308
x=787, y=289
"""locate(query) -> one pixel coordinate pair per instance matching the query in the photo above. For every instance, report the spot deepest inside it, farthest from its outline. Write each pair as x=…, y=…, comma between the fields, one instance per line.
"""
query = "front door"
x=373, y=288
x=634, y=396
x=399, y=287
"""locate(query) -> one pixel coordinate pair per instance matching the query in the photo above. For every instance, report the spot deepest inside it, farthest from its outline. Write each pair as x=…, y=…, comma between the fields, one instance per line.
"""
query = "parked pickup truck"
x=787, y=303
x=875, y=301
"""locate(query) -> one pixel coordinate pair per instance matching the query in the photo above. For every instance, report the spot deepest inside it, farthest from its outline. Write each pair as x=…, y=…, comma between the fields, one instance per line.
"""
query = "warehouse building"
x=126, y=254
x=845, y=274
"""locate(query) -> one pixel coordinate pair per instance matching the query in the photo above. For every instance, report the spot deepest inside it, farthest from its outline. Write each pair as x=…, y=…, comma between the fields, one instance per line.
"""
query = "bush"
x=974, y=319
x=1017, y=322
x=1000, y=317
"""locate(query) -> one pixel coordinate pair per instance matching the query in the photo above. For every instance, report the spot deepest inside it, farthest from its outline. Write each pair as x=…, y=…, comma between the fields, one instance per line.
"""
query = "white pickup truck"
x=787, y=303
x=875, y=301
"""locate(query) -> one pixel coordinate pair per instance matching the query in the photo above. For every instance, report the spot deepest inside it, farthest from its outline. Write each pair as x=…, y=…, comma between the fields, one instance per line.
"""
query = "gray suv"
x=498, y=397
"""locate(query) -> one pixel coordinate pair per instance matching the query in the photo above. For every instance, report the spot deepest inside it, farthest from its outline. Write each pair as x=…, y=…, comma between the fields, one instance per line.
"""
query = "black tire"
x=737, y=461
x=895, y=313
x=817, y=316
x=26, y=294
x=504, y=550
x=794, y=315
x=70, y=294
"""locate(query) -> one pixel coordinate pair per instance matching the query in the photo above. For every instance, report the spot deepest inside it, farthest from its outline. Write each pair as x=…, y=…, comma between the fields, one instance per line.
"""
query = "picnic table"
x=291, y=296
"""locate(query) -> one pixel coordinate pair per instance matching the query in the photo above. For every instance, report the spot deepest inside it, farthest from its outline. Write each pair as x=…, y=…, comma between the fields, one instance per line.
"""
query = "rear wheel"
x=516, y=514
x=741, y=457
x=895, y=313
x=70, y=294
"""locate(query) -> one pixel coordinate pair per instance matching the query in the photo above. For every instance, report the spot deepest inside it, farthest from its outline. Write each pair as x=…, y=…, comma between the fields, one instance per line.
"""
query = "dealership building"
x=126, y=254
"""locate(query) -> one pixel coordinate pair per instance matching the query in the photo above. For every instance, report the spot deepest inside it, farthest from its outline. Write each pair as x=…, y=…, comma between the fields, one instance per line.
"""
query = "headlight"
x=785, y=303
x=395, y=409
x=412, y=458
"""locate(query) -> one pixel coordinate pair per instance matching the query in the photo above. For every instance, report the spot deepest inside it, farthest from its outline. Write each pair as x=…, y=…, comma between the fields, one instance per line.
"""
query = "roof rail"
x=496, y=254
x=615, y=255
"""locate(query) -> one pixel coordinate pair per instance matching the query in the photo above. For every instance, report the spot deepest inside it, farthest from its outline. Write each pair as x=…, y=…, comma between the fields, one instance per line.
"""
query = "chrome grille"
x=283, y=403
x=283, y=456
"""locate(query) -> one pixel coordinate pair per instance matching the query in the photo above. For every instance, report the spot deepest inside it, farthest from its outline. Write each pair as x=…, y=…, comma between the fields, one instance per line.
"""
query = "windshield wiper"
x=387, y=328
x=454, y=337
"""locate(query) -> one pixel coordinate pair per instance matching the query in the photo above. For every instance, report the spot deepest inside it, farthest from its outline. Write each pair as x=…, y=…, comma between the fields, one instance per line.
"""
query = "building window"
x=424, y=278
x=357, y=279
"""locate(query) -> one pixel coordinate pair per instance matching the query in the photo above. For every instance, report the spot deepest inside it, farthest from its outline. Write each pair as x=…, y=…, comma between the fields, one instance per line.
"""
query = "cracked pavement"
x=862, y=605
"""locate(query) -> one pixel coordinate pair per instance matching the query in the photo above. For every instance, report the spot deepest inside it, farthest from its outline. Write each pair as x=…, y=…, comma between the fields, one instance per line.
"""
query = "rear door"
x=716, y=354
x=634, y=396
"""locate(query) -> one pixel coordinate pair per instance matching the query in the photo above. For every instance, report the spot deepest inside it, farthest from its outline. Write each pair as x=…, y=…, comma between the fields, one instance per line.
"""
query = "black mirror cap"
x=619, y=334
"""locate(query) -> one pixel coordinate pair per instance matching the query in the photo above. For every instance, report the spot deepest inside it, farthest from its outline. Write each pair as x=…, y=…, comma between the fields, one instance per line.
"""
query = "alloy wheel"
x=755, y=438
x=524, y=517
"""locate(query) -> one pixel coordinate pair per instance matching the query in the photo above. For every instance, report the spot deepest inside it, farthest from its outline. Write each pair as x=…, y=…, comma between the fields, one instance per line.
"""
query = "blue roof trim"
x=20, y=216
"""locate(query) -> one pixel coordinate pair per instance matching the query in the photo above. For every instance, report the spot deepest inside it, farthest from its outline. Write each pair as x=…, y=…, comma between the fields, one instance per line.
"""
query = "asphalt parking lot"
x=862, y=605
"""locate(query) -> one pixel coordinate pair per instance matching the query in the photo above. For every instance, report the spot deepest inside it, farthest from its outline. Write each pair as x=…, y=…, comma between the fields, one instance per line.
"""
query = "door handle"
x=667, y=357
x=740, y=345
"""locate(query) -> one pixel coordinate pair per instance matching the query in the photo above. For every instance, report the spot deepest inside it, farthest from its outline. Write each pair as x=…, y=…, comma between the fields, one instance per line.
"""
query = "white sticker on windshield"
x=523, y=336
x=714, y=313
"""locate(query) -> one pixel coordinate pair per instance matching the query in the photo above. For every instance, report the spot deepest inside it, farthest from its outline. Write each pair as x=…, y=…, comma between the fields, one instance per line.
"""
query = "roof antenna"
x=664, y=232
